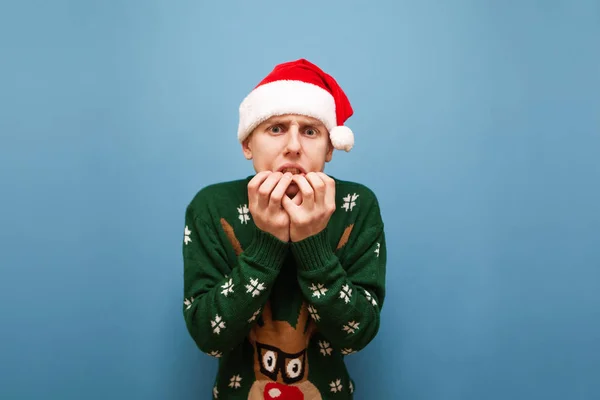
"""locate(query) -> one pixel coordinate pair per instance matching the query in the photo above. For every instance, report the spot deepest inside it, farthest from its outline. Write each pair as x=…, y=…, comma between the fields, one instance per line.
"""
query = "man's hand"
x=265, y=193
x=318, y=204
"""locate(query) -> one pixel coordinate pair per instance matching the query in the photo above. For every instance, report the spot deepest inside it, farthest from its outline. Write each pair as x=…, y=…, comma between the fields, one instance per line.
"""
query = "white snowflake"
x=234, y=382
x=346, y=293
x=348, y=351
x=336, y=386
x=243, y=211
x=215, y=392
x=318, y=290
x=227, y=287
x=186, y=235
x=370, y=298
x=350, y=201
x=255, y=287
x=255, y=315
x=313, y=313
x=351, y=327
x=216, y=354
x=325, y=348
x=217, y=324
x=377, y=249
x=188, y=303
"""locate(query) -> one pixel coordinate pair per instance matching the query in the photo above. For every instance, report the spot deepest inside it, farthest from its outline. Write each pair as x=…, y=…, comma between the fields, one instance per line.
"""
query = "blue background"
x=477, y=124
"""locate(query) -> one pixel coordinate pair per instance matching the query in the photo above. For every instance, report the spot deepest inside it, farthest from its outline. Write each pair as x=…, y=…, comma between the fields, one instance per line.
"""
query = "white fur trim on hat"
x=285, y=97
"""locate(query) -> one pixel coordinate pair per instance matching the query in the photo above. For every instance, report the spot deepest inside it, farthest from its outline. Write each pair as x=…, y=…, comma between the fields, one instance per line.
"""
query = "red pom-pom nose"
x=278, y=391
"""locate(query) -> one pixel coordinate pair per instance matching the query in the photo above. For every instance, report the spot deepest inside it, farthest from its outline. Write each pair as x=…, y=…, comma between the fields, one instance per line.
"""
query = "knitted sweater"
x=281, y=316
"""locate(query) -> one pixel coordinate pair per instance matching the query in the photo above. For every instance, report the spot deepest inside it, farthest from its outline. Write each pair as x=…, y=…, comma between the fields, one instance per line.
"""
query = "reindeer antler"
x=237, y=247
x=345, y=236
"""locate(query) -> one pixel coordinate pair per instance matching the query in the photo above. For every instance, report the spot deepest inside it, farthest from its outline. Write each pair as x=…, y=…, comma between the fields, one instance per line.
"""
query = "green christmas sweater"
x=281, y=316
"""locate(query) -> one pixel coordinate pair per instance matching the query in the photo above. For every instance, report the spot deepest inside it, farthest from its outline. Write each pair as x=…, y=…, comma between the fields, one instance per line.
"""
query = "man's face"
x=294, y=143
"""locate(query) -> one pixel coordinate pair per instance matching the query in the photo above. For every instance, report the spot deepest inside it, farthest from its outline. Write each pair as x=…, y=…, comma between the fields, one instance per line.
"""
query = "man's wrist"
x=267, y=249
x=313, y=252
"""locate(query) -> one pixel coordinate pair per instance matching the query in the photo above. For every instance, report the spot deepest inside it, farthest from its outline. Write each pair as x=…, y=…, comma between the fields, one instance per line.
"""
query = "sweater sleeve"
x=221, y=302
x=345, y=299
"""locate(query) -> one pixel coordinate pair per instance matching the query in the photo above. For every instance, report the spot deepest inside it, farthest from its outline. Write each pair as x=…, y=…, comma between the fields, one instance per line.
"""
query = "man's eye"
x=311, y=132
x=276, y=129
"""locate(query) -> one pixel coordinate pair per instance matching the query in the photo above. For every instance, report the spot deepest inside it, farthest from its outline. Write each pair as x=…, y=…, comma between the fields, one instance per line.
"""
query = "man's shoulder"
x=218, y=188
x=224, y=193
x=352, y=189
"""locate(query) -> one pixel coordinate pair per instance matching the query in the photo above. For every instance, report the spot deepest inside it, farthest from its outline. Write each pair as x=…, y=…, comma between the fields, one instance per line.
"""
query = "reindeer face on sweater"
x=281, y=365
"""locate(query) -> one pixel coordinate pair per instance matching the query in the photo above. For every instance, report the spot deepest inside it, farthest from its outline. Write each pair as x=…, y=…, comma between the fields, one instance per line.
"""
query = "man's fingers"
x=264, y=191
x=308, y=195
x=318, y=186
x=288, y=204
x=279, y=191
x=253, y=187
x=257, y=180
x=329, y=181
x=297, y=198
x=330, y=190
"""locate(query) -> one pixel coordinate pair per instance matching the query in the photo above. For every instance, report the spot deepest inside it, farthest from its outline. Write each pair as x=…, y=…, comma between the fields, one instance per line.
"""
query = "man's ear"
x=329, y=153
x=246, y=149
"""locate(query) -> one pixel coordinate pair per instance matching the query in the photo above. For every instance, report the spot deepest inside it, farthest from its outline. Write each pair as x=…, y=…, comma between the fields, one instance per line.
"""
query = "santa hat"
x=299, y=87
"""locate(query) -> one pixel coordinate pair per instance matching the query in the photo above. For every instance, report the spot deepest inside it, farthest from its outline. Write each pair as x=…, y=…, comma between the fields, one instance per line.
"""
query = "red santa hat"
x=299, y=87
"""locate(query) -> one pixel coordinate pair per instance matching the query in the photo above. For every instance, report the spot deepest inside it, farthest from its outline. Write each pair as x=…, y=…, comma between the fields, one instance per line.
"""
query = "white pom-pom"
x=342, y=138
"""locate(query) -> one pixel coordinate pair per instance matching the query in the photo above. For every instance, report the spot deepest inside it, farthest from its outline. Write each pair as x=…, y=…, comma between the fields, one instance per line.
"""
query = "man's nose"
x=293, y=140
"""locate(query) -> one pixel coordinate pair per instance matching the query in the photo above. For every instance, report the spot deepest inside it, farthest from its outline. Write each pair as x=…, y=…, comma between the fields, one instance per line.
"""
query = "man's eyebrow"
x=308, y=122
x=319, y=126
x=311, y=123
x=277, y=121
x=284, y=121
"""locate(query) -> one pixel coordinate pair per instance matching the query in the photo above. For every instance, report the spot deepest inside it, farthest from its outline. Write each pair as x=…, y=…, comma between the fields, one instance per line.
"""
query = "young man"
x=284, y=271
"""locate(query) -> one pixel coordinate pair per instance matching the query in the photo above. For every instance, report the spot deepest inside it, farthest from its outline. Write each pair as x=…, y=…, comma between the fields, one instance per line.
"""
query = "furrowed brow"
x=277, y=121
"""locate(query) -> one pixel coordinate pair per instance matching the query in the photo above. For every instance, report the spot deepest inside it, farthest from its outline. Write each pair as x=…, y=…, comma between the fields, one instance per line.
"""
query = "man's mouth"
x=292, y=170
